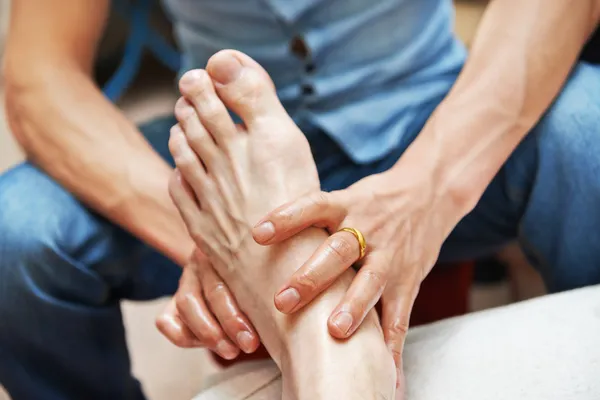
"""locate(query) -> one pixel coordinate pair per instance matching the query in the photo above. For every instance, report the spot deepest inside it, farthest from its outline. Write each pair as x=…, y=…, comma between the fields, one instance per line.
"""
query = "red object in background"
x=443, y=294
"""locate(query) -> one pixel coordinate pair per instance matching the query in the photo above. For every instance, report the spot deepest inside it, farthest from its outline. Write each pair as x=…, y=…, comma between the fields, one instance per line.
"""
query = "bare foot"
x=236, y=175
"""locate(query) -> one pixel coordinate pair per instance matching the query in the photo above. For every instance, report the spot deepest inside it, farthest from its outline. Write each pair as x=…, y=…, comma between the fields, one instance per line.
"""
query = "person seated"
x=429, y=153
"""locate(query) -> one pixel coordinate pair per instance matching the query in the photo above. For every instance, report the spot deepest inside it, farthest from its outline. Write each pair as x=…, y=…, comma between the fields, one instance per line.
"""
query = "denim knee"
x=59, y=311
x=559, y=228
x=569, y=133
x=31, y=216
x=49, y=242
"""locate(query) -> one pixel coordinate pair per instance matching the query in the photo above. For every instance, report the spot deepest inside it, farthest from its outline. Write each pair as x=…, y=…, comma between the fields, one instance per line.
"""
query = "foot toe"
x=244, y=86
x=198, y=89
x=198, y=137
x=187, y=161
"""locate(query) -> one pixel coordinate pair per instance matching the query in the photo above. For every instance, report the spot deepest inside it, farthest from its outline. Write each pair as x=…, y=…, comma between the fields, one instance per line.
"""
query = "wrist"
x=460, y=152
x=419, y=181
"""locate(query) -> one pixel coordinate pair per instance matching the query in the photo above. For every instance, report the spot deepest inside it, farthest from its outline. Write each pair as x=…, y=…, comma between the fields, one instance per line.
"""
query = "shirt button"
x=309, y=68
x=308, y=90
x=299, y=48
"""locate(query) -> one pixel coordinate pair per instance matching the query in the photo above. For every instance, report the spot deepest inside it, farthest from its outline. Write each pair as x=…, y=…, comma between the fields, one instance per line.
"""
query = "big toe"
x=244, y=86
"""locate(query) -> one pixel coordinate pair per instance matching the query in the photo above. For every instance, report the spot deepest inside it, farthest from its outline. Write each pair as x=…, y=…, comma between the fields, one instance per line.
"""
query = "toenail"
x=190, y=77
x=225, y=68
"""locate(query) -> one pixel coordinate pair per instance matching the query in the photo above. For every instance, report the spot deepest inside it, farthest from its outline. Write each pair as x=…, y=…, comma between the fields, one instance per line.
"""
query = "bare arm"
x=68, y=128
x=521, y=57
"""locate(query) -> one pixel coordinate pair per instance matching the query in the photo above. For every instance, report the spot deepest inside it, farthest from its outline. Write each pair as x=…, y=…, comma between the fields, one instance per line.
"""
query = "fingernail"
x=226, y=350
x=287, y=300
x=343, y=321
x=264, y=231
x=224, y=68
x=246, y=341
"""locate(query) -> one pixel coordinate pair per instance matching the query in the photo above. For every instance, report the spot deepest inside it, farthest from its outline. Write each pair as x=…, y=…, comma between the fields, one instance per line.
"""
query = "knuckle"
x=320, y=199
x=199, y=267
x=161, y=324
x=307, y=282
x=195, y=232
x=181, y=300
x=397, y=328
x=203, y=144
x=216, y=291
x=211, y=110
x=209, y=336
x=198, y=138
x=286, y=214
x=375, y=278
x=232, y=322
x=342, y=249
x=174, y=187
x=175, y=134
x=185, y=161
x=178, y=341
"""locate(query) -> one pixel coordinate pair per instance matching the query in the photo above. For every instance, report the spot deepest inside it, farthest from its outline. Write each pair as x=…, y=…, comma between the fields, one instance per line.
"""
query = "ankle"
x=316, y=366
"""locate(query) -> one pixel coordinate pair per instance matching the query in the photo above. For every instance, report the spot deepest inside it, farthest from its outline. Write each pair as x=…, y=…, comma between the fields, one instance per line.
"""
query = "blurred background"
x=171, y=373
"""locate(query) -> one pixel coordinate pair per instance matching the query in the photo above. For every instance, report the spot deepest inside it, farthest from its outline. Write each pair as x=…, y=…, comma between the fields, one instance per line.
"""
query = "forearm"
x=67, y=128
x=521, y=57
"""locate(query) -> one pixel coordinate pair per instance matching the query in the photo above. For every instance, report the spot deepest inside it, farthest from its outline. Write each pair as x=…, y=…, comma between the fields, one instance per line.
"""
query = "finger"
x=322, y=209
x=329, y=261
x=171, y=326
x=224, y=306
x=361, y=297
x=398, y=301
x=198, y=318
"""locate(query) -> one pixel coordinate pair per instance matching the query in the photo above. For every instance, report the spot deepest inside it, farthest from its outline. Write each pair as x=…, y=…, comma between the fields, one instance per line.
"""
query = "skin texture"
x=69, y=129
x=522, y=55
x=227, y=177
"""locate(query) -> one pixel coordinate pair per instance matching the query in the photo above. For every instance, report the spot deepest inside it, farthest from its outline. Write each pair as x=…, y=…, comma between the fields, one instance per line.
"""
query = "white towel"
x=543, y=349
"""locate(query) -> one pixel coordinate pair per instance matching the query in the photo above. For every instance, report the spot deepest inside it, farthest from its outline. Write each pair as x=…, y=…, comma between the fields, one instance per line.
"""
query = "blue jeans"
x=64, y=268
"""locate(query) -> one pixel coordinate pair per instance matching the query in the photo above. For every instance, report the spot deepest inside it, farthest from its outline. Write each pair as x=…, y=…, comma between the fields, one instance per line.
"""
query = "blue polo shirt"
x=362, y=70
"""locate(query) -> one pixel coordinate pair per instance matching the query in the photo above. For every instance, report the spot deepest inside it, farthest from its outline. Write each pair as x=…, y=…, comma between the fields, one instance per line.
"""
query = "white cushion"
x=547, y=348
